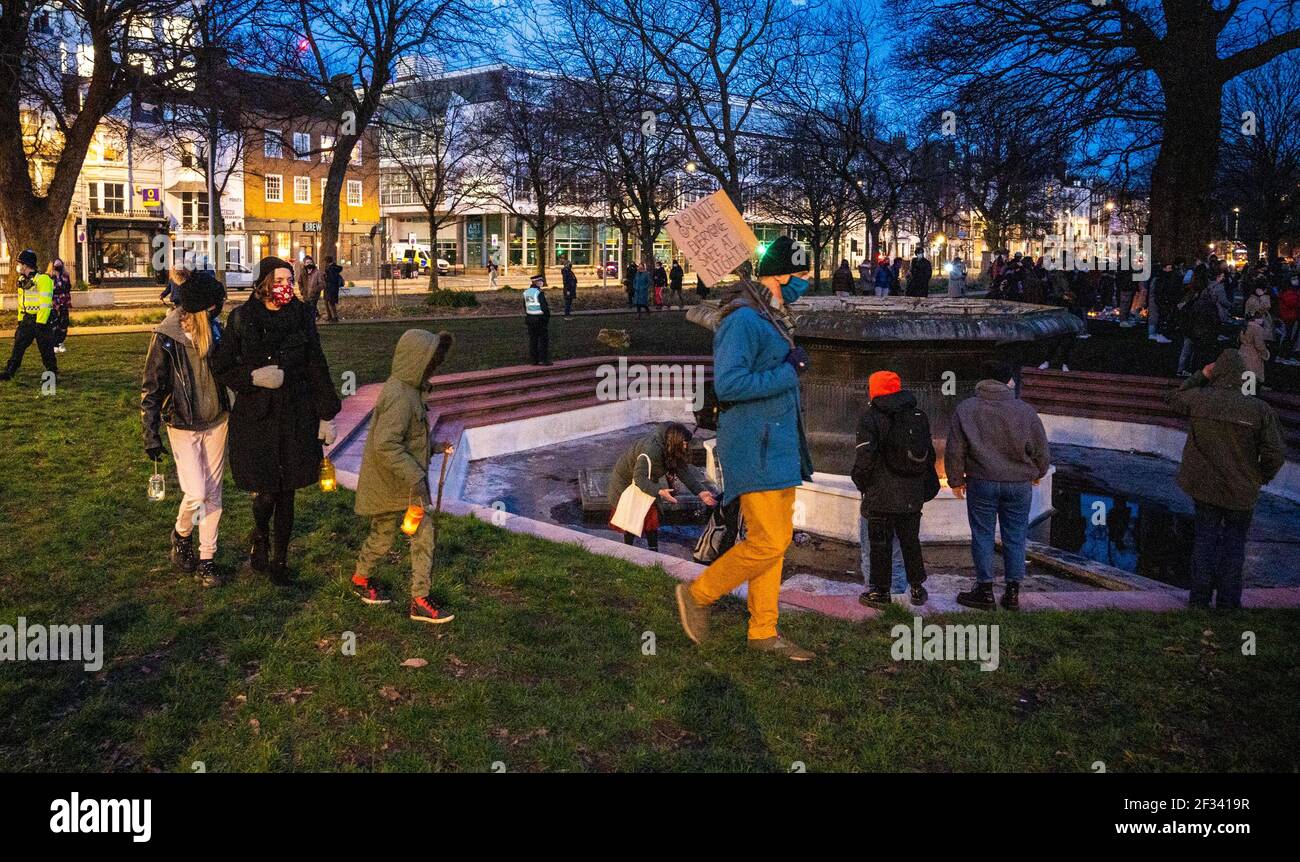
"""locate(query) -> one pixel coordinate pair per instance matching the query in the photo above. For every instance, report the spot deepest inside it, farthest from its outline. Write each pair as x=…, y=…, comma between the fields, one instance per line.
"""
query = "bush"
x=451, y=299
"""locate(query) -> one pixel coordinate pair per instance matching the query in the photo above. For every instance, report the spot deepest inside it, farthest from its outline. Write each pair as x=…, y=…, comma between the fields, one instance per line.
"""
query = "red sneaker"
x=368, y=591
x=424, y=611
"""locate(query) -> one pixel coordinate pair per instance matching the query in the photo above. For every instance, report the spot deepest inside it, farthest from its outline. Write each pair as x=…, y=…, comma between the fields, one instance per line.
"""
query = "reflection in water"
x=1130, y=533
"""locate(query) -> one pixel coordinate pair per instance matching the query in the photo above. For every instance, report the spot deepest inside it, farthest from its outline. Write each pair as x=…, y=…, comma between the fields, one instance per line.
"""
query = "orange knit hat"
x=883, y=383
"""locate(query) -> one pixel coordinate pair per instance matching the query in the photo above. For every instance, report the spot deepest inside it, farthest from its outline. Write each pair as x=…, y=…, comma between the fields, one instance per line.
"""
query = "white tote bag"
x=633, y=504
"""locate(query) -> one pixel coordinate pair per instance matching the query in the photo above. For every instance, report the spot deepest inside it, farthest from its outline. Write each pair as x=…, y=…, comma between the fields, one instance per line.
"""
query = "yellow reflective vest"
x=36, y=296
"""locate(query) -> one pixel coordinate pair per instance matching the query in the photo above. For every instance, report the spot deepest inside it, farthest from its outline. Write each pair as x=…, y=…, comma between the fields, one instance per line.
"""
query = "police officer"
x=35, y=304
x=537, y=314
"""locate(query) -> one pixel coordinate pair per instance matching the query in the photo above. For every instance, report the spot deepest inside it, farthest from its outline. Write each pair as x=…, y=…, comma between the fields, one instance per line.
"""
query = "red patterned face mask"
x=281, y=295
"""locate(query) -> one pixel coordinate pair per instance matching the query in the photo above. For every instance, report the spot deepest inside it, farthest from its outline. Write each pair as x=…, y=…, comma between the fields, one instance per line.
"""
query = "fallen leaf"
x=390, y=693
x=255, y=724
x=414, y=662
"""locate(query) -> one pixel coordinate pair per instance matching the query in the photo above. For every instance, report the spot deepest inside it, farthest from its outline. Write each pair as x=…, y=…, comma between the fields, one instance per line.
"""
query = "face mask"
x=793, y=289
x=281, y=295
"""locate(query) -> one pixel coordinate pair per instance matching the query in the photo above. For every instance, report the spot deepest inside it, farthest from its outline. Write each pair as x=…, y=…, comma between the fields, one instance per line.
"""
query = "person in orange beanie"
x=895, y=471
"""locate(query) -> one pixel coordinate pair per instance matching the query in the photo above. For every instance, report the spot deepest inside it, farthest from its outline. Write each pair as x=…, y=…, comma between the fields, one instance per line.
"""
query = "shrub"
x=451, y=299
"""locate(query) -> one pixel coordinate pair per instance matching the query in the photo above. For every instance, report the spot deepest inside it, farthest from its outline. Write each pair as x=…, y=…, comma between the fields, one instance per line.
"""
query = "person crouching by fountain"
x=661, y=455
x=894, y=469
x=761, y=444
x=395, y=469
x=996, y=452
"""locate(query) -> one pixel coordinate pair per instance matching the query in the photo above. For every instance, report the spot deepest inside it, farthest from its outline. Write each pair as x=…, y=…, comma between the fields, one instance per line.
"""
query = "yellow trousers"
x=769, y=526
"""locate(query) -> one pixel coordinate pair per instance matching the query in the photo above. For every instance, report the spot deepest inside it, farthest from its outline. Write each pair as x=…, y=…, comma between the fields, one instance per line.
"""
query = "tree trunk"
x=33, y=227
x=1182, y=180
x=433, y=250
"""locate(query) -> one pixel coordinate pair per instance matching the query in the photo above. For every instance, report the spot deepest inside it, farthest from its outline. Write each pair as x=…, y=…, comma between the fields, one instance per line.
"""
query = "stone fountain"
x=936, y=347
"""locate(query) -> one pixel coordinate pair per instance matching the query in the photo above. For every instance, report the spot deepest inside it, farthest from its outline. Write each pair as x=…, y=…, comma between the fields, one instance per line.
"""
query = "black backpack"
x=907, y=443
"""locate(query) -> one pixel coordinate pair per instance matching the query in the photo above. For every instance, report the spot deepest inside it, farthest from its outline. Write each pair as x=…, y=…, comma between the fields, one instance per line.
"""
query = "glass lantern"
x=157, y=485
x=328, y=483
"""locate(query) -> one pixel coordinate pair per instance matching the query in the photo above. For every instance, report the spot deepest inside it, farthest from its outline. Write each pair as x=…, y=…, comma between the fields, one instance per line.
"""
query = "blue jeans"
x=899, y=578
x=1218, y=555
x=1006, y=505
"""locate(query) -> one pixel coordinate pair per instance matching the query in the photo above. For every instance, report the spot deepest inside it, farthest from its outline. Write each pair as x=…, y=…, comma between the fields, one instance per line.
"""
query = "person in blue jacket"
x=761, y=444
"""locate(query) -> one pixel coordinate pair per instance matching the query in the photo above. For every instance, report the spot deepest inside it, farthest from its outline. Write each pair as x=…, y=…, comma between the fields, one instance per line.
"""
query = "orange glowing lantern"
x=411, y=520
x=328, y=482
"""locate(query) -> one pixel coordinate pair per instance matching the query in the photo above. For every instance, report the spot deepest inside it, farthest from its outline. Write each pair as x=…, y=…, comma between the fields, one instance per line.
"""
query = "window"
x=356, y=153
x=189, y=154
x=573, y=241
x=274, y=188
x=107, y=197
x=302, y=145
x=302, y=190
x=326, y=148
x=354, y=193
x=271, y=144
x=194, y=208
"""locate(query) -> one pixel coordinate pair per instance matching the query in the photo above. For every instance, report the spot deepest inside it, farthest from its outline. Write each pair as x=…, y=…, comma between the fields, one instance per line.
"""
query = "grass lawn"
x=544, y=668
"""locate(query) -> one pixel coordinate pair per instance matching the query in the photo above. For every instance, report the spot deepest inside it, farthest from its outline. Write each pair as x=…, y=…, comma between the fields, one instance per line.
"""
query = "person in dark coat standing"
x=1234, y=446
x=284, y=407
x=675, y=276
x=333, y=285
x=842, y=280
x=641, y=289
x=570, y=287
x=895, y=482
x=660, y=280
x=918, y=277
x=60, y=311
x=629, y=283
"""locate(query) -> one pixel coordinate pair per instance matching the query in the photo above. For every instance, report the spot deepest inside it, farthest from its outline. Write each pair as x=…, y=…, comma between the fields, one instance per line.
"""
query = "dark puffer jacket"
x=1234, y=441
x=273, y=432
x=883, y=490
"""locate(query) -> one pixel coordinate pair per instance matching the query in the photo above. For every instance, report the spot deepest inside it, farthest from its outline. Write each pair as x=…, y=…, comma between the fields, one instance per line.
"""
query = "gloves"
x=798, y=359
x=155, y=453
x=326, y=432
x=268, y=376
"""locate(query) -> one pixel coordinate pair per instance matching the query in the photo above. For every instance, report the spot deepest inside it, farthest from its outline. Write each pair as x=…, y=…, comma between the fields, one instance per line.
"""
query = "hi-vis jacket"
x=533, y=301
x=36, y=297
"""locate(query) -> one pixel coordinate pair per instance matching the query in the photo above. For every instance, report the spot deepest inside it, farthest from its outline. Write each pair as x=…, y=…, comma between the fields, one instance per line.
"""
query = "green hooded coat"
x=395, y=463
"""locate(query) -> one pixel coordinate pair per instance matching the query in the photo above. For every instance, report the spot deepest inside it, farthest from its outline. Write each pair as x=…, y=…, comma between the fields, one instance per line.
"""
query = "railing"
x=155, y=213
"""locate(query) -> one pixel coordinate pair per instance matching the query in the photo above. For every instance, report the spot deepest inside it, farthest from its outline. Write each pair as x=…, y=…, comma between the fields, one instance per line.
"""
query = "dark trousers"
x=1062, y=347
x=882, y=529
x=651, y=539
x=568, y=302
x=1218, y=555
x=273, y=516
x=539, y=338
x=675, y=296
x=28, y=331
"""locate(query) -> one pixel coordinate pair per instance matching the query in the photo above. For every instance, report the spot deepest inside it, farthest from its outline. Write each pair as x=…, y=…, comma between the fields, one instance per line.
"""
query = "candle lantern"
x=157, y=485
x=327, y=481
x=411, y=520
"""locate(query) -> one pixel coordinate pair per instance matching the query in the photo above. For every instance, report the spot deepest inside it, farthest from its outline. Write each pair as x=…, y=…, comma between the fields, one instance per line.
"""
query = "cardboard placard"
x=713, y=236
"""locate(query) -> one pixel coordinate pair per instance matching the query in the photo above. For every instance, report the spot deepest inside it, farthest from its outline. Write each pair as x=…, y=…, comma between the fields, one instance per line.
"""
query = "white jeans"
x=200, y=462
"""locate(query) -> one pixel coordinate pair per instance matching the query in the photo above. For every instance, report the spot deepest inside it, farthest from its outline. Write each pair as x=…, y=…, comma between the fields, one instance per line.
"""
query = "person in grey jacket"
x=996, y=452
x=653, y=463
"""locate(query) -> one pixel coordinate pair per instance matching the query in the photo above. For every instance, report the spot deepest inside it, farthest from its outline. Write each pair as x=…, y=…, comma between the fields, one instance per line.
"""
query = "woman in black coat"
x=284, y=407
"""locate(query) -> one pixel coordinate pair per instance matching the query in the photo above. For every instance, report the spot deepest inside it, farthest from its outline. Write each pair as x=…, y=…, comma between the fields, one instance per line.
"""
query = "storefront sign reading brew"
x=311, y=227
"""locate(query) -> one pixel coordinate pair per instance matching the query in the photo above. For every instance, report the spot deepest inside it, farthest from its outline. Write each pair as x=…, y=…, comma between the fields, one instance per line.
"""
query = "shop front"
x=121, y=250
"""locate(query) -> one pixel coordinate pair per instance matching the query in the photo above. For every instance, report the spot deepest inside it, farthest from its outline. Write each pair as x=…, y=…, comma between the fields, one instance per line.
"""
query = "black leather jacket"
x=167, y=393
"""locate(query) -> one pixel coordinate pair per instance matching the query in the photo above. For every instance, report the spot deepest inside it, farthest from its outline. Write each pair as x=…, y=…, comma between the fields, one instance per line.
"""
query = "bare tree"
x=349, y=51
x=1159, y=66
x=529, y=142
x=722, y=59
x=429, y=137
x=1259, y=175
x=627, y=118
x=52, y=101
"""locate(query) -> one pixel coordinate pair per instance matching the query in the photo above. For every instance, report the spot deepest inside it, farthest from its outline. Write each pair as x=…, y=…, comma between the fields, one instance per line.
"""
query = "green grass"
x=543, y=668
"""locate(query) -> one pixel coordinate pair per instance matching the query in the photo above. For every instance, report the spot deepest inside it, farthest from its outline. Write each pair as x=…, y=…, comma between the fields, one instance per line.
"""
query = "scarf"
x=750, y=294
